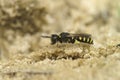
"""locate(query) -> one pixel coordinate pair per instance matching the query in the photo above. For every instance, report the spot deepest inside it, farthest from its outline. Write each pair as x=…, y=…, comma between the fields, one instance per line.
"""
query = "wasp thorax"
x=64, y=37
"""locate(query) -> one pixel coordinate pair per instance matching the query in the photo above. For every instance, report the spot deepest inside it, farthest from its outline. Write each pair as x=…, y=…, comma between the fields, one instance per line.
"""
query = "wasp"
x=66, y=37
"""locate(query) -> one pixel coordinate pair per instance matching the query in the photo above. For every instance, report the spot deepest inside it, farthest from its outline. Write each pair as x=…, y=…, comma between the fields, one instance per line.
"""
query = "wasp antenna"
x=45, y=36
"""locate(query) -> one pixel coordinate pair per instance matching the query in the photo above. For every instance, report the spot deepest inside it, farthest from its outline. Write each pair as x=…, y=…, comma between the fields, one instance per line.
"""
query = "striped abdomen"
x=84, y=39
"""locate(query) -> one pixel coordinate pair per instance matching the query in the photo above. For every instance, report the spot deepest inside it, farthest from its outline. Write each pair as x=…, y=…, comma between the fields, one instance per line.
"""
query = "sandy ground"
x=24, y=55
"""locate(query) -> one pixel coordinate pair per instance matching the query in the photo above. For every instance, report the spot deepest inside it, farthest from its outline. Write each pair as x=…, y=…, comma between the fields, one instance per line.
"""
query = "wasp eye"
x=54, y=38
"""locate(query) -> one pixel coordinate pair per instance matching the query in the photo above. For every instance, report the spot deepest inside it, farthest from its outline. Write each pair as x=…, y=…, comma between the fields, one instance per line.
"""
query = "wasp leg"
x=70, y=40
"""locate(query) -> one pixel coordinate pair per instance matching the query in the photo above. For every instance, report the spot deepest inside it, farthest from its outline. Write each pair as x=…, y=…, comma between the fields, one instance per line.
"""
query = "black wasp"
x=65, y=37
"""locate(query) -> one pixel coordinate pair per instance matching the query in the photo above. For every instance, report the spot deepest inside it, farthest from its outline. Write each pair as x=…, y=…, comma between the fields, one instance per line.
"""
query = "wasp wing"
x=79, y=35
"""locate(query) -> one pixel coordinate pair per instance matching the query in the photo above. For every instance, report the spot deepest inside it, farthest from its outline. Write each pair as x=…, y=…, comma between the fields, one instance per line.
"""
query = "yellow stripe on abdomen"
x=84, y=39
x=91, y=41
x=88, y=40
x=80, y=38
x=76, y=41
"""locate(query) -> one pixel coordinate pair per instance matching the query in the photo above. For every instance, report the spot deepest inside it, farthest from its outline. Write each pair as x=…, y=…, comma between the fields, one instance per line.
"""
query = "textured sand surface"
x=24, y=55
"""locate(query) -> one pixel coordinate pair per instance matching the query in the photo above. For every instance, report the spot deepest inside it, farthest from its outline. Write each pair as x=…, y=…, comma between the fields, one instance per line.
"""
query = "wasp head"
x=54, y=38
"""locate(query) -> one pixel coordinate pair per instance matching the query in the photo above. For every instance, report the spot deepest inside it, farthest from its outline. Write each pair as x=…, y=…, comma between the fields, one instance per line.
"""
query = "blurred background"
x=23, y=21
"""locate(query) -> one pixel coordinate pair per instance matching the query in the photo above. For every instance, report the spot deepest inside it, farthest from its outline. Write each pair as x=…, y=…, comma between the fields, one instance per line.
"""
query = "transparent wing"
x=79, y=35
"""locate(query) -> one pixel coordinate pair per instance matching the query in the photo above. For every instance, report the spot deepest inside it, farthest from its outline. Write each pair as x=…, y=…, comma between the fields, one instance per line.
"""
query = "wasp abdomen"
x=85, y=39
